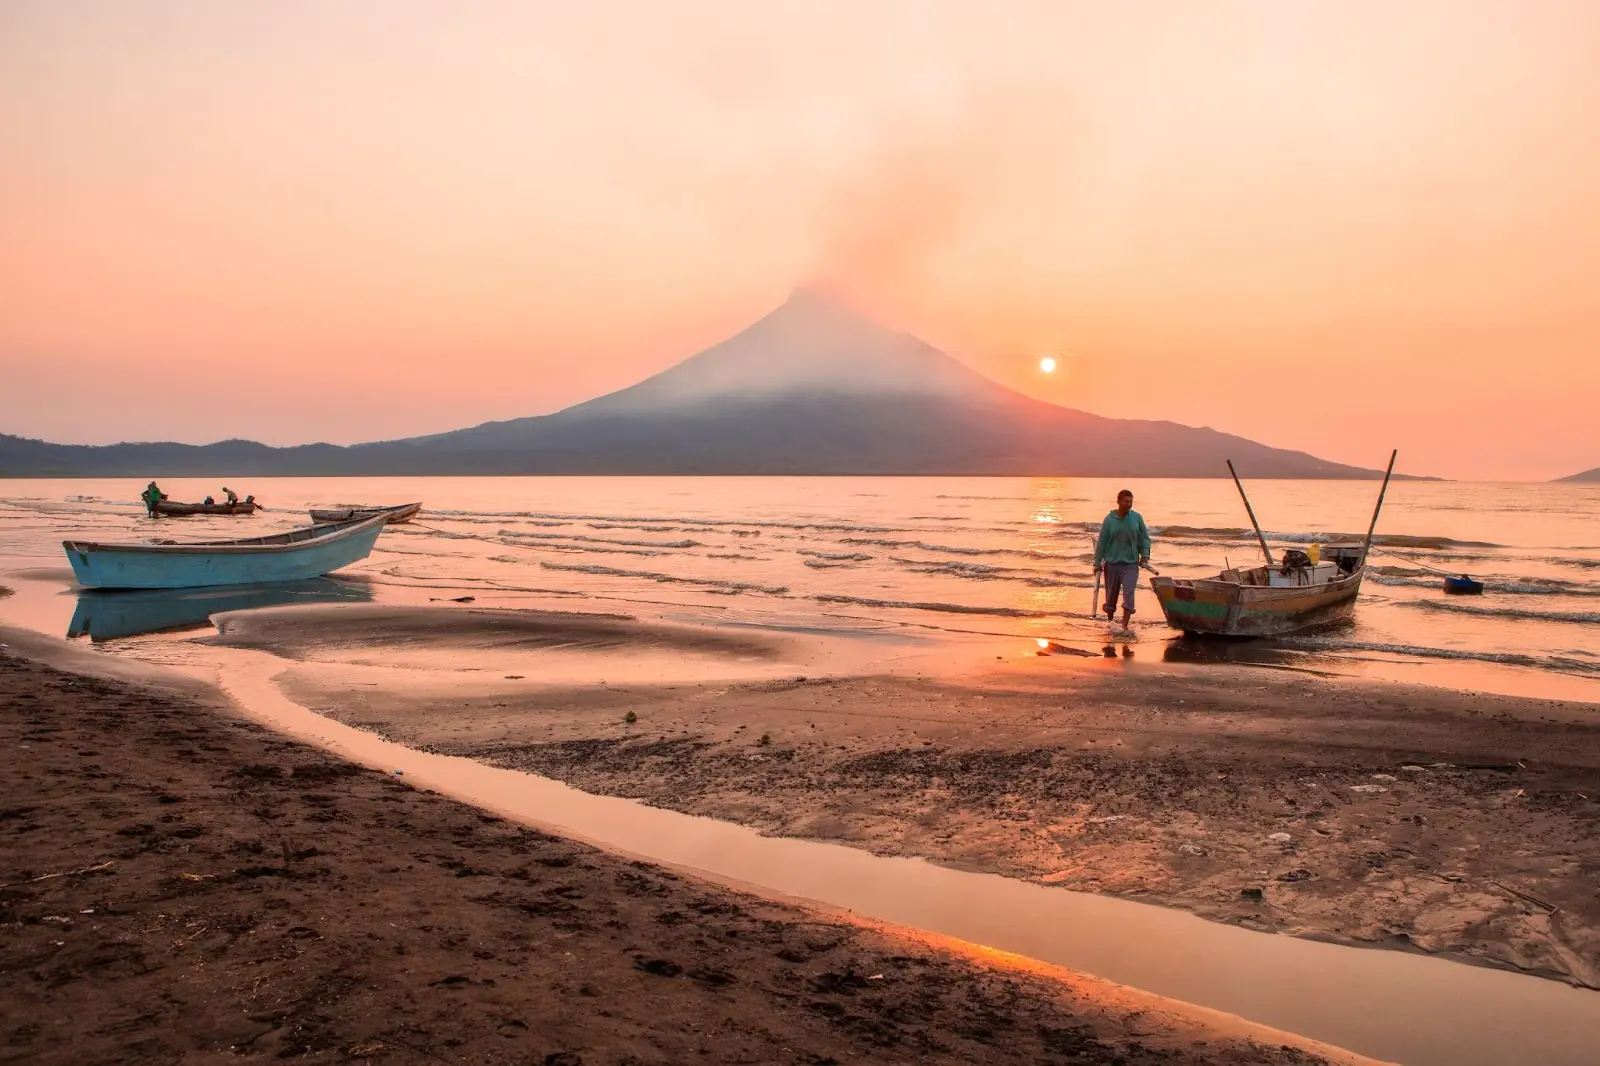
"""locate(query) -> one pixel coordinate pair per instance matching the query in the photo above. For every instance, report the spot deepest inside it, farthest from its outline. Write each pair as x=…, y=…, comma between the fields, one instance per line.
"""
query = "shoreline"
x=1362, y=812
x=226, y=887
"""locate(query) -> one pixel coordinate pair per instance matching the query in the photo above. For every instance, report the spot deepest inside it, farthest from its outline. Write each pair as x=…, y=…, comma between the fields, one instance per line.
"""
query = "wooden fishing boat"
x=1263, y=601
x=397, y=513
x=293, y=556
x=1284, y=596
x=181, y=510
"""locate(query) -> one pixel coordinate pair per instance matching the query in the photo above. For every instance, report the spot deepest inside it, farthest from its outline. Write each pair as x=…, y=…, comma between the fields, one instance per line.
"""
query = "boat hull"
x=183, y=510
x=295, y=556
x=1224, y=608
x=401, y=513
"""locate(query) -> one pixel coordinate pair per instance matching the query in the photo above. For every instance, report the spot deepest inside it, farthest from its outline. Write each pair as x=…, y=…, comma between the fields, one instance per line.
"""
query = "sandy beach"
x=180, y=885
x=1357, y=812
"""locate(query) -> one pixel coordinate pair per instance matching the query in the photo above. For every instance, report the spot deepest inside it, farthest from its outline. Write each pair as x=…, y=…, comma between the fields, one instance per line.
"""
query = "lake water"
x=999, y=556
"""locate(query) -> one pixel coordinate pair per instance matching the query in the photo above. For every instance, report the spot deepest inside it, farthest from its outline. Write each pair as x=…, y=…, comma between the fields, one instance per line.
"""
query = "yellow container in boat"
x=1314, y=553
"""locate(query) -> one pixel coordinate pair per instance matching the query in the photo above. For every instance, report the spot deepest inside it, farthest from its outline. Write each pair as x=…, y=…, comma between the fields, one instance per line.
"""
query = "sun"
x=1048, y=364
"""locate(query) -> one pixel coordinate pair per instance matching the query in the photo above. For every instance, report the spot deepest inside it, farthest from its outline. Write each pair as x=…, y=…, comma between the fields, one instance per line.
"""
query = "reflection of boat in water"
x=112, y=615
x=292, y=556
x=1301, y=591
x=1201, y=650
x=346, y=512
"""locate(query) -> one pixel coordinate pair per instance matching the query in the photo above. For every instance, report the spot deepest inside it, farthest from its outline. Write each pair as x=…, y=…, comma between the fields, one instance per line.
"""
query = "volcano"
x=811, y=388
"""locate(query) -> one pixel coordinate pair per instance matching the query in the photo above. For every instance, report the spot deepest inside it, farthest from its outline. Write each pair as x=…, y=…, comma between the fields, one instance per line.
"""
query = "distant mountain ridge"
x=811, y=388
x=1586, y=477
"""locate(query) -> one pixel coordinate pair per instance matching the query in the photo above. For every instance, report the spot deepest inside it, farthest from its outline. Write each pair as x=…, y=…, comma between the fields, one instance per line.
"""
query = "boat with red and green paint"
x=1299, y=591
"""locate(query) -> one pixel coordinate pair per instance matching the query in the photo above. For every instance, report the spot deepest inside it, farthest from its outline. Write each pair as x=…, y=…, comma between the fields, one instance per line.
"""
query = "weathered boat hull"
x=293, y=556
x=403, y=512
x=1224, y=608
x=183, y=510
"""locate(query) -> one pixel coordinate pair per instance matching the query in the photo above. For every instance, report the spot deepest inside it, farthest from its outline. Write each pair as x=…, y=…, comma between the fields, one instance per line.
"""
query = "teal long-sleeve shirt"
x=1122, y=540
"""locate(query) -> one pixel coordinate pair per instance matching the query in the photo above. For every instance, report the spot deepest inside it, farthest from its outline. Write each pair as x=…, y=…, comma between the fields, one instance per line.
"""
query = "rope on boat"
x=1416, y=562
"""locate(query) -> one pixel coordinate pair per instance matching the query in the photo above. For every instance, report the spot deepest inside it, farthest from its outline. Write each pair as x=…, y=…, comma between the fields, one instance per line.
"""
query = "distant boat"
x=1463, y=586
x=111, y=615
x=181, y=510
x=397, y=513
x=293, y=556
x=1284, y=596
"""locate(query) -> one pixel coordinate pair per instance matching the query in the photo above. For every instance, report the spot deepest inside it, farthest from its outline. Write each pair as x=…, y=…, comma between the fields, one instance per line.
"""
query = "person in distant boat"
x=209, y=501
x=250, y=501
x=233, y=497
x=1123, y=547
x=151, y=496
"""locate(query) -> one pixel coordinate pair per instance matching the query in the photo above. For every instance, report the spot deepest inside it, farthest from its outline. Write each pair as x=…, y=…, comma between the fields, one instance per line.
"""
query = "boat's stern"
x=1194, y=606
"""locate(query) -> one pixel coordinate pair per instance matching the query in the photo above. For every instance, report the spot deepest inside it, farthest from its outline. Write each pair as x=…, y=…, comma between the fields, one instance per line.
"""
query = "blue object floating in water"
x=1463, y=586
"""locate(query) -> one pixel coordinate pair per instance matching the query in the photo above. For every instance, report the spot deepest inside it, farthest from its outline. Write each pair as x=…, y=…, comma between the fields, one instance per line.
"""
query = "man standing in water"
x=152, y=496
x=1123, y=547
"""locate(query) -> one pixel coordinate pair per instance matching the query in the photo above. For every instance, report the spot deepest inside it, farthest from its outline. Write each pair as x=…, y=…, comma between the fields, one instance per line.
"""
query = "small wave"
x=1199, y=531
x=1539, y=662
x=672, y=579
x=921, y=545
x=947, y=496
x=1400, y=540
x=1390, y=540
x=942, y=608
x=653, y=522
x=1582, y=617
x=837, y=557
x=951, y=549
x=602, y=540
x=1525, y=586
x=957, y=569
x=733, y=555
x=1046, y=579
x=584, y=549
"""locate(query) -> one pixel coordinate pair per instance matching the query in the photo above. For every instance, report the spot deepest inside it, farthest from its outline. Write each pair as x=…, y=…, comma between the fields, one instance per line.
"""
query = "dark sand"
x=179, y=885
x=1166, y=783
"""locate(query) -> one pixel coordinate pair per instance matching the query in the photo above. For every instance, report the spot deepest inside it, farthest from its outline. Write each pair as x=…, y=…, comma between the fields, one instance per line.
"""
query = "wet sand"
x=180, y=885
x=1349, y=811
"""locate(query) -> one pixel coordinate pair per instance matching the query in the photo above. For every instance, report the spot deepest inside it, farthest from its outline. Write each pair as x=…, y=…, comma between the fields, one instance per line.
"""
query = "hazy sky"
x=1329, y=226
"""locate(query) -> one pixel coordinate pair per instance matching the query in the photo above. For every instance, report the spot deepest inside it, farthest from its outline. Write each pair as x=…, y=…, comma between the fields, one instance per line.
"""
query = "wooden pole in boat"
x=1251, y=512
x=1367, y=544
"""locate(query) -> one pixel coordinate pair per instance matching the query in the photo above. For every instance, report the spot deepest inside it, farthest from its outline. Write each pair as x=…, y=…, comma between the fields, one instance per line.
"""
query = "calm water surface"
x=1005, y=556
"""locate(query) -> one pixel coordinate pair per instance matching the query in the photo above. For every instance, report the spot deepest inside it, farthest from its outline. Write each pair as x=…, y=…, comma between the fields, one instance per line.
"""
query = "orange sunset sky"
x=1328, y=226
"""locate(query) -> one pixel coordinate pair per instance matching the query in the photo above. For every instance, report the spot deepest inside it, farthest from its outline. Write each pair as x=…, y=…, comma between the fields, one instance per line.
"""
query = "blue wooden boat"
x=293, y=556
x=1463, y=586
